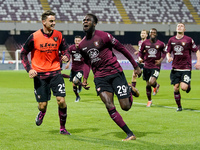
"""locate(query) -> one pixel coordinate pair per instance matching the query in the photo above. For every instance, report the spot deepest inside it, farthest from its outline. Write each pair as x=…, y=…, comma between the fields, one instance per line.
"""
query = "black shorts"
x=147, y=73
x=78, y=74
x=141, y=65
x=43, y=87
x=115, y=83
x=180, y=76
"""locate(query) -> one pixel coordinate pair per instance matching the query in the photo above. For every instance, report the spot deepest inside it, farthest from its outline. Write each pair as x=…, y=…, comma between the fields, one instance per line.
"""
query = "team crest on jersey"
x=96, y=43
x=157, y=46
x=55, y=39
x=183, y=43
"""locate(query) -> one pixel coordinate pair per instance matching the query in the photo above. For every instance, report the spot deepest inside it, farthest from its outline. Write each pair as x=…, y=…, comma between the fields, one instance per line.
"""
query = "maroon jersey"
x=77, y=59
x=181, y=49
x=150, y=52
x=140, y=43
x=97, y=51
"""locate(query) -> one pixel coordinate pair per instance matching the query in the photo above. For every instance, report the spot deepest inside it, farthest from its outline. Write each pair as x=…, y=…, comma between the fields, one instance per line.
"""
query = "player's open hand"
x=85, y=84
x=170, y=59
x=197, y=66
x=64, y=58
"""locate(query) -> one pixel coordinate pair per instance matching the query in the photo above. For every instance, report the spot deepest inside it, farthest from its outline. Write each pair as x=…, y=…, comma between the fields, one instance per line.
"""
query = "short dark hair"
x=78, y=36
x=94, y=17
x=46, y=14
x=153, y=29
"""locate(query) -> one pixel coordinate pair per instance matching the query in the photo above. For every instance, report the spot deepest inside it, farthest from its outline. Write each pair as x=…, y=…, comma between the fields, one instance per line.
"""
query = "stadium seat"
x=20, y=10
x=76, y=10
x=157, y=11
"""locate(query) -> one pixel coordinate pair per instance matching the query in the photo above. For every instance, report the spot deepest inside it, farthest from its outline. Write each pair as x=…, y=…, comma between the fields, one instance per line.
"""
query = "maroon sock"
x=148, y=92
x=177, y=97
x=75, y=90
x=63, y=117
x=133, y=84
x=116, y=117
x=65, y=76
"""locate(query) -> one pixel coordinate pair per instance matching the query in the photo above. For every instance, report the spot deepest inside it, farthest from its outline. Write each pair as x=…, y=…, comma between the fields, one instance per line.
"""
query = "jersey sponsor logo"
x=178, y=50
x=49, y=45
x=77, y=57
x=152, y=52
x=113, y=41
x=85, y=48
x=93, y=54
x=194, y=46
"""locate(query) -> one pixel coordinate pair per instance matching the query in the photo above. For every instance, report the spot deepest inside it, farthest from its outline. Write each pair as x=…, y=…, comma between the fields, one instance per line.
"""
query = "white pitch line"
x=168, y=107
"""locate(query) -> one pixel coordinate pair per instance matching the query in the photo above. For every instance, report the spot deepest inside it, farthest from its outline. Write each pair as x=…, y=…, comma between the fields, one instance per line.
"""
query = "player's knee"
x=61, y=101
x=126, y=107
x=151, y=83
x=184, y=88
x=42, y=106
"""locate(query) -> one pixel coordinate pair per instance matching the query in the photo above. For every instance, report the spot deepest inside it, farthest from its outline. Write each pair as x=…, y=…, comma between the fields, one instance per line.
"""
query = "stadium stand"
x=196, y=5
x=76, y=10
x=149, y=11
x=130, y=48
x=20, y=10
x=157, y=11
x=138, y=11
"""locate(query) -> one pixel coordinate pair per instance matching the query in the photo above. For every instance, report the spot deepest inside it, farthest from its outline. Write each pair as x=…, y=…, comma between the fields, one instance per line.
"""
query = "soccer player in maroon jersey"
x=152, y=54
x=143, y=35
x=44, y=45
x=96, y=48
x=77, y=68
x=181, y=46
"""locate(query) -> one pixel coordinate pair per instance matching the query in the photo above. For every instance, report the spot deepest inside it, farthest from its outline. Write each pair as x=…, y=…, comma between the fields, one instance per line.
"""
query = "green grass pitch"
x=159, y=127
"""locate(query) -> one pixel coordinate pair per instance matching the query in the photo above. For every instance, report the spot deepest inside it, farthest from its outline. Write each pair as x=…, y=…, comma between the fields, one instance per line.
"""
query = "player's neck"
x=47, y=31
x=143, y=39
x=153, y=40
x=179, y=35
x=89, y=35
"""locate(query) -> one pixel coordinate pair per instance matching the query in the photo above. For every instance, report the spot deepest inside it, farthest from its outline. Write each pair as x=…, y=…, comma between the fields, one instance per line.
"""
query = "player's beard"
x=154, y=39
